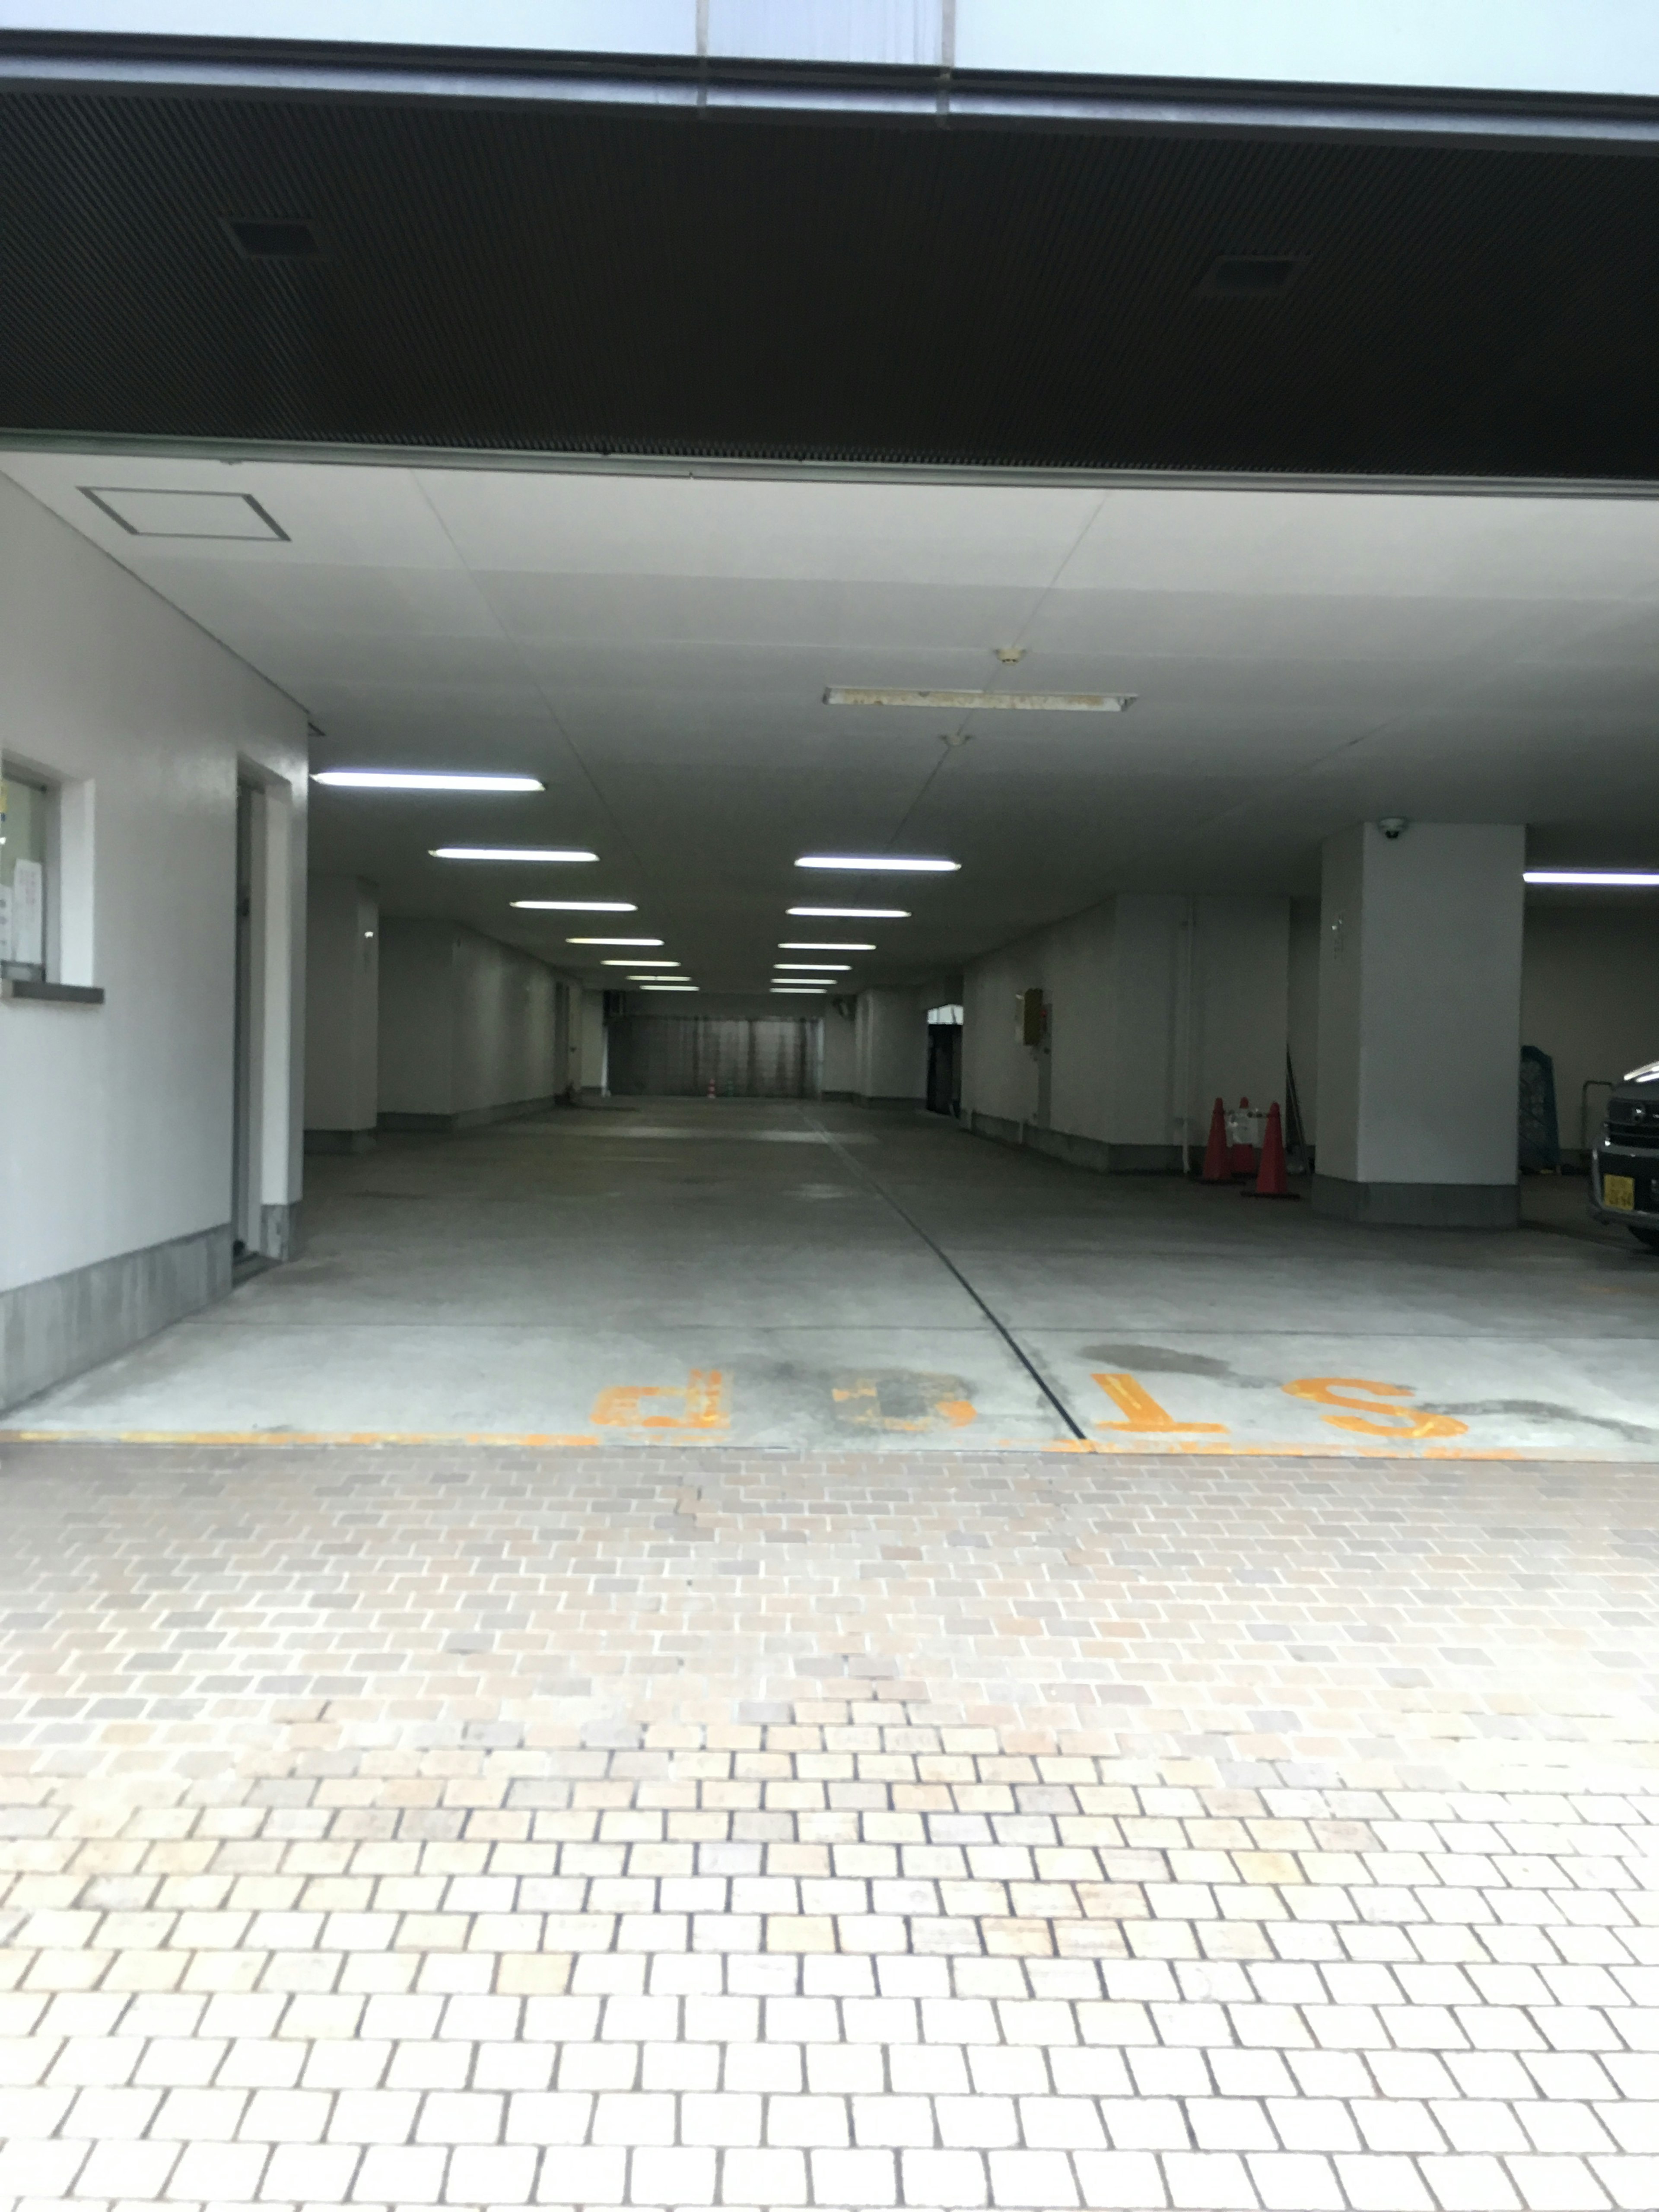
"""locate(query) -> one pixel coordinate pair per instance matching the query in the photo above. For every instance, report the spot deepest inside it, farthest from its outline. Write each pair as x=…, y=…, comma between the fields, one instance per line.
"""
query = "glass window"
x=23, y=825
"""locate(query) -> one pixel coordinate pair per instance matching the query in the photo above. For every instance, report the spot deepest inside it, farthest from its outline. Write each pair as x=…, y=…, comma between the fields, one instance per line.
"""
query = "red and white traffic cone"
x=1271, y=1182
x=1243, y=1156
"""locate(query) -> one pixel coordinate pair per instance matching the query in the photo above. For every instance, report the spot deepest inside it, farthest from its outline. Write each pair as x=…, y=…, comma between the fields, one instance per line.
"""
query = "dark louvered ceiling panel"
x=611, y=281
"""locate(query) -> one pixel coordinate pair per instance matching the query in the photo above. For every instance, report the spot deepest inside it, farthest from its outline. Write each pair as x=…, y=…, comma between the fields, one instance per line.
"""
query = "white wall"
x=593, y=1040
x=1156, y=1004
x=342, y=970
x=1144, y=1001
x=890, y=1044
x=466, y=1025
x=1074, y=956
x=839, y=1066
x=1241, y=1002
x=1590, y=994
x=505, y=1035
x=1419, y=1009
x=115, y=1120
x=416, y=1016
x=999, y=1074
x=1303, y=1011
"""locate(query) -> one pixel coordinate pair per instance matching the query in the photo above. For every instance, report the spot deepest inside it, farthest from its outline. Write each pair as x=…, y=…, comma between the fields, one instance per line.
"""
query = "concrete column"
x=1419, y=1023
x=591, y=1022
x=838, y=1070
x=891, y=1048
x=342, y=931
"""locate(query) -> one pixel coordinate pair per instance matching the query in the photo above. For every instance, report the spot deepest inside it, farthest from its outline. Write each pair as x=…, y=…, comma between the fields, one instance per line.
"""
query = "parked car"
x=1625, y=1164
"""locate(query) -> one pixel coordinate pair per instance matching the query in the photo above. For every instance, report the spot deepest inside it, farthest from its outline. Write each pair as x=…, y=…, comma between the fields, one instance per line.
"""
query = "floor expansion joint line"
x=864, y=1175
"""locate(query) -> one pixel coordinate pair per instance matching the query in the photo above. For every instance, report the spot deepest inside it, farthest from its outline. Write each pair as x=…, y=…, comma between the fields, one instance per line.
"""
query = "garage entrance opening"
x=686, y=1058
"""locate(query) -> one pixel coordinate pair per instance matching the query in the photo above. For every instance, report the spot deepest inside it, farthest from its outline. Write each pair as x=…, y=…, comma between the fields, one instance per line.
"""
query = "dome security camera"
x=1393, y=825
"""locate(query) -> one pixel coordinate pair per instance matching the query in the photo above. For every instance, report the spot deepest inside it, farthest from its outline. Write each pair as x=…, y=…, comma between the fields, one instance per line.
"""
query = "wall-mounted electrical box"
x=1029, y=1027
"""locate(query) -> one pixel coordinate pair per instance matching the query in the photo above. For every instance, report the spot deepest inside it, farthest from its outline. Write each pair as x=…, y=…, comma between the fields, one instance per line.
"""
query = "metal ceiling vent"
x=1251, y=275
x=273, y=238
x=143, y=513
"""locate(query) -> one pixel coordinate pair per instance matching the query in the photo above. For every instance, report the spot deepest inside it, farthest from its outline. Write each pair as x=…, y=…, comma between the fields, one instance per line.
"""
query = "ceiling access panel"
x=571, y=279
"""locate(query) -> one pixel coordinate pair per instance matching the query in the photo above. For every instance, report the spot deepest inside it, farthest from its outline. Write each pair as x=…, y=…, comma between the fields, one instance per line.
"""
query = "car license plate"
x=1618, y=1192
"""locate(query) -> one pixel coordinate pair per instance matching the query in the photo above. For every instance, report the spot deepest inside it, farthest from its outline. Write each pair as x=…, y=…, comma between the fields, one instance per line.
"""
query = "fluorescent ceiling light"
x=973, y=703
x=813, y=967
x=1618, y=879
x=680, y=988
x=639, y=964
x=819, y=945
x=388, y=779
x=878, y=864
x=615, y=940
x=850, y=913
x=504, y=853
x=578, y=906
x=799, y=990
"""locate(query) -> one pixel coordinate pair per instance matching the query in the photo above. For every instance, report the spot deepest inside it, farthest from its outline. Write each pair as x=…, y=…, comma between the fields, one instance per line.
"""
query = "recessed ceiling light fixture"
x=390, y=779
x=1643, y=879
x=273, y=238
x=819, y=945
x=506, y=853
x=578, y=906
x=976, y=703
x=813, y=967
x=670, y=986
x=639, y=964
x=850, y=913
x=799, y=990
x=1251, y=275
x=878, y=864
x=614, y=940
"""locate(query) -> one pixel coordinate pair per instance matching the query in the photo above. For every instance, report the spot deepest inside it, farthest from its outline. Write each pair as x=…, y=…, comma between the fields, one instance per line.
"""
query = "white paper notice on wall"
x=28, y=914
x=5, y=921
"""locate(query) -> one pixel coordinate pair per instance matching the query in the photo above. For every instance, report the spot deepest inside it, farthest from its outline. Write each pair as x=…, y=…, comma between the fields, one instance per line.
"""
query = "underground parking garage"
x=820, y=1379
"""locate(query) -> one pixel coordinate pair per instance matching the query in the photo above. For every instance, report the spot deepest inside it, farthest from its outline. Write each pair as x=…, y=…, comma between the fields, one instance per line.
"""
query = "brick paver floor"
x=398, y=1828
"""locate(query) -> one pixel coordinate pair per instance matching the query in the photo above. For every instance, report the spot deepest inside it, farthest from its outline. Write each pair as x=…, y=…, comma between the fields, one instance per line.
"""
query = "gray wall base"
x=61, y=1327
x=339, y=1140
x=838, y=1097
x=279, y=1232
x=476, y=1117
x=1419, y=1205
x=1092, y=1152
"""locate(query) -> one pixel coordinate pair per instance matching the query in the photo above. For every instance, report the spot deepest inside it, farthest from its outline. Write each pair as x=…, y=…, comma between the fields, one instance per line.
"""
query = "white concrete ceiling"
x=656, y=648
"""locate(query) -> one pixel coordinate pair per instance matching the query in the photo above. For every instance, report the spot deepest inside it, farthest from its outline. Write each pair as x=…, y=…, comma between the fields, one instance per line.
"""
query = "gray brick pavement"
x=390, y=1829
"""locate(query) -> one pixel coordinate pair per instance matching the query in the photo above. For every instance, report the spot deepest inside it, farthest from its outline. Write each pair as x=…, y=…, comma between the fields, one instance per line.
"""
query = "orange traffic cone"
x=1271, y=1182
x=1243, y=1155
x=1217, y=1166
x=711, y=1086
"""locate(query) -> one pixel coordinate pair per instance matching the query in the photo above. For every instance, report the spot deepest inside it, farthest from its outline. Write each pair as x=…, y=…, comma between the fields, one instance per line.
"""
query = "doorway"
x=244, y=1210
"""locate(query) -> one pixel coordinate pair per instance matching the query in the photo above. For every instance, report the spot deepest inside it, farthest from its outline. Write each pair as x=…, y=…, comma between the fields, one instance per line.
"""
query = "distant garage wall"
x=1590, y=994
x=1153, y=1006
x=469, y=1029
